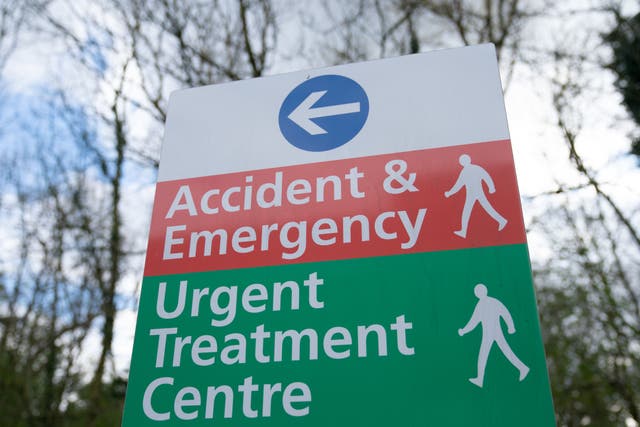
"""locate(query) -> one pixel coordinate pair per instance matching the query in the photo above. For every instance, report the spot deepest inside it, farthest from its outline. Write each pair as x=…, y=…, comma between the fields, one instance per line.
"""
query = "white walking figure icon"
x=471, y=177
x=488, y=312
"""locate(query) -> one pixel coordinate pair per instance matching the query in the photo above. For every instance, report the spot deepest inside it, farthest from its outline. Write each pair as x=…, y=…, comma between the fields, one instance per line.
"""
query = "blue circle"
x=323, y=113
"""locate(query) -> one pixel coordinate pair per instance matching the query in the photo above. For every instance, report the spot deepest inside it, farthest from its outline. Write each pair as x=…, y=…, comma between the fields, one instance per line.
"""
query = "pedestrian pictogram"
x=471, y=178
x=488, y=313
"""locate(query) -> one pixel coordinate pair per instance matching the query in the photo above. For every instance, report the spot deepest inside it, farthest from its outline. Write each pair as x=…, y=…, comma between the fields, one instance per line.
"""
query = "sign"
x=328, y=248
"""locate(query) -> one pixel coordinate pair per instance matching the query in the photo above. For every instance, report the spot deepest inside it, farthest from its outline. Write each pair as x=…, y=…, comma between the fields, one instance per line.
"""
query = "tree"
x=624, y=41
x=176, y=45
x=12, y=18
x=588, y=294
x=48, y=303
x=368, y=29
x=589, y=290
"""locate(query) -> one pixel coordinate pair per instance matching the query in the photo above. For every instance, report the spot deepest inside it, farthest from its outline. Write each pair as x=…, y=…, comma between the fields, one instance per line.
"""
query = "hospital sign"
x=329, y=248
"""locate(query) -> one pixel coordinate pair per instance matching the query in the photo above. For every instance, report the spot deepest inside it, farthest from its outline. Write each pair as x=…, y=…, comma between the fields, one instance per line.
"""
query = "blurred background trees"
x=624, y=40
x=84, y=88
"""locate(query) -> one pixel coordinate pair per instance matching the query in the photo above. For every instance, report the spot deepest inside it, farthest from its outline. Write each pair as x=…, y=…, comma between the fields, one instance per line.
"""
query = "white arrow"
x=303, y=113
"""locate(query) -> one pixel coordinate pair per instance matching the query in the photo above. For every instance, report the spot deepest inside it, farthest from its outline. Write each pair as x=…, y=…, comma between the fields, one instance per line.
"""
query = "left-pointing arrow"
x=304, y=112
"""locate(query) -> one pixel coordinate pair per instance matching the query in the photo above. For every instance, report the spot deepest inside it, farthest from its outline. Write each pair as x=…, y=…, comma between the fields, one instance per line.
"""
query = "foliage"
x=624, y=41
x=590, y=318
